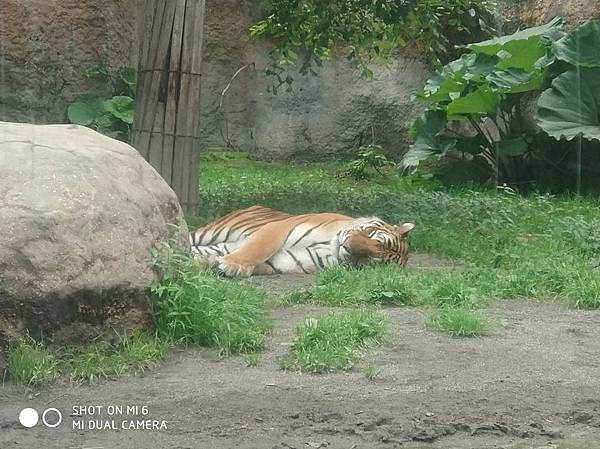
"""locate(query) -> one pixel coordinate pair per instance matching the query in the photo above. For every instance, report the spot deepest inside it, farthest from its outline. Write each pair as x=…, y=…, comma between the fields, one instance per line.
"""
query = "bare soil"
x=532, y=383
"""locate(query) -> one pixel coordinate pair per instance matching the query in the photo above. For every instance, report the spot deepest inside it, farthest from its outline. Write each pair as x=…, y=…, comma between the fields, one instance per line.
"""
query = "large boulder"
x=81, y=214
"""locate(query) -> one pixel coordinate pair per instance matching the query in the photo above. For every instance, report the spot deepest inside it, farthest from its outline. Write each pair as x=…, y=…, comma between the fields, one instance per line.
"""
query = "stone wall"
x=536, y=12
x=45, y=46
x=325, y=116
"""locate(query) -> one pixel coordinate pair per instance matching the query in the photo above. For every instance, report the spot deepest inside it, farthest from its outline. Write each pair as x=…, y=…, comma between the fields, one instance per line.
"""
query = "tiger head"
x=376, y=241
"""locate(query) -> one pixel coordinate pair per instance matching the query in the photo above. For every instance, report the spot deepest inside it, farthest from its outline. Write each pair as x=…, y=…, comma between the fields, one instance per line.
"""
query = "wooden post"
x=166, y=130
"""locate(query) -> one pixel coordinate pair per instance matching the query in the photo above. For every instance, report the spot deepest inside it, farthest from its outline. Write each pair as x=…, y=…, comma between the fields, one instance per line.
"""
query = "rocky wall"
x=536, y=12
x=46, y=45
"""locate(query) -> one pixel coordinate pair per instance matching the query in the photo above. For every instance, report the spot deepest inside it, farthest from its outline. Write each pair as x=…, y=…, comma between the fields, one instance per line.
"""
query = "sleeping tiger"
x=259, y=240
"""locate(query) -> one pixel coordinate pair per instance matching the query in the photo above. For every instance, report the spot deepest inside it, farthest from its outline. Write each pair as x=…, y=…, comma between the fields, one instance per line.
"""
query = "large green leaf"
x=581, y=47
x=429, y=140
x=516, y=80
x=86, y=109
x=122, y=107
x=522, y=54
x=493, y=46
x=440, y=88
x=455, y=76
x=481, y=101
x=571, y=107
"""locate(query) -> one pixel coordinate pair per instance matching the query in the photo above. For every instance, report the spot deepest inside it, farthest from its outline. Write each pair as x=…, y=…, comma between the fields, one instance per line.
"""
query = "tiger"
x=260, y=241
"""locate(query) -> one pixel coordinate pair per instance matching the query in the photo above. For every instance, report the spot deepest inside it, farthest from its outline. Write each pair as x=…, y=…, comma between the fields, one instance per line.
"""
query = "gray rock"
x=80, y=215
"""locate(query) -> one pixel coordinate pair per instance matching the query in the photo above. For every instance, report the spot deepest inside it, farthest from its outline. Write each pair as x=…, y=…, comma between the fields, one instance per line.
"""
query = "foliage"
x=306, y=32
x=193, y=307
x=571, y=106
x=332, y=342
x=476, y=101
x=369, y=158
x=132, y=354
x=111, y=116
x=458, y=322
x=30, y=363
x=484, y=88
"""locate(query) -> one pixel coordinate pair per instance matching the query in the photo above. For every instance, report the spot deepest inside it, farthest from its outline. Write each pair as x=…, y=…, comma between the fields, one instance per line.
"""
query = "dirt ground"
x=533, y=383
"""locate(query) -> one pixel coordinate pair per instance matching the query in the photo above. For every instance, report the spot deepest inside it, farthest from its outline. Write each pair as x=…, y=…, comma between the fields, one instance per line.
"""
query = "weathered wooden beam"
x=167, y=122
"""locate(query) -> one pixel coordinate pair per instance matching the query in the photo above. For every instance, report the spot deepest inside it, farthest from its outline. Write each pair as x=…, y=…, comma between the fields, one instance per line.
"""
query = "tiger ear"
x=404, y=229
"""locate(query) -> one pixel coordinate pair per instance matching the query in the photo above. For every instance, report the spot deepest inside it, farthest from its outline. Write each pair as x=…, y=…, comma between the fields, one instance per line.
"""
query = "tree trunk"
x=166, y=129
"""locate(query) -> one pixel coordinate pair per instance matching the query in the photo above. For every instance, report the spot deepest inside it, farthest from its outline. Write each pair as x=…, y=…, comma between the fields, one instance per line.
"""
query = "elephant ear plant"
x=476, y=102
x=571, y=106
x=111, y=116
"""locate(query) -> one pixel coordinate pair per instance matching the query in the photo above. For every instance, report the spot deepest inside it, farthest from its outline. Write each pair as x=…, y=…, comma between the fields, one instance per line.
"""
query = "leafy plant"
x=476, y=110
x=369, y=158
x=459, y=322
x=192, y=307
x=306, y=32
x=371, y=372
x=476, y=101
x=132, y=354
x=111, y=116
x=571, y=106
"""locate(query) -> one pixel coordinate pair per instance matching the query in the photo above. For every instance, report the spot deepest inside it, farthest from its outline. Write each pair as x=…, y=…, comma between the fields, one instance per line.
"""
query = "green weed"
x=333, y=342
x=458, y=322
x=30, y=363
x=132, y=354
x=252, y=359
x=195, y=307
x=371, y=372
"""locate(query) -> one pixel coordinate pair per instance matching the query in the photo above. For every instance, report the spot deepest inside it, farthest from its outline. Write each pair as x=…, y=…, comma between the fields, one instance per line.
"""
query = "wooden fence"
x=166, y=129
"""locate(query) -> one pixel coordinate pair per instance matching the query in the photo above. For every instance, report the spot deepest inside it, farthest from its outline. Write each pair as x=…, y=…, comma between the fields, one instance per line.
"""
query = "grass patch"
x=333, y=342
x=30, y=363
x=371, y=372
x=132, y=354
x=252, y=359
x=458, y=322
x=532, y=244
x=375, y=285
x=201, y=308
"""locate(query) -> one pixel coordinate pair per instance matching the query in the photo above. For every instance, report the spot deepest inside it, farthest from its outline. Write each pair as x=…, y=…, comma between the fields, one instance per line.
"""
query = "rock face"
x=46, y=47
x=537, y=12
x=80, y=215
x=325, y=116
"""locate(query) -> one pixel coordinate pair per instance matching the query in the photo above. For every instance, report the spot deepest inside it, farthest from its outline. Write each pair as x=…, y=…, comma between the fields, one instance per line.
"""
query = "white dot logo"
x=58, y=418
x=28, y=417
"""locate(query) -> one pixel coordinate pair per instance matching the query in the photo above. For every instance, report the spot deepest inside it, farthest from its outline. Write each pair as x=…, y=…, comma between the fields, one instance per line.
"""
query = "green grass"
x=459, y=322
x=30, y=363
x=333, y=342
x=192, y=307
x=131, y=355
x=539, y=246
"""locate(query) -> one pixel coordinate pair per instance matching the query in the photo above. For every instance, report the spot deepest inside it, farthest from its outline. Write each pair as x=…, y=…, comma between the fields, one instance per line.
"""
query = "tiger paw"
x=232, y=268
